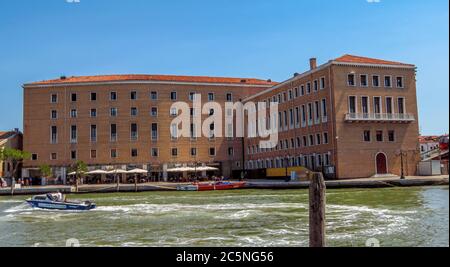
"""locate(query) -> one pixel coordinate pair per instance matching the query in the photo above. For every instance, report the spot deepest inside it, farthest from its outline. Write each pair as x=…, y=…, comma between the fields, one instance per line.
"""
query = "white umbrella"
x=98, y=172
x=118, y=171
x=72, y=173
x=175, y=170
x=207, y=168
x=137, y=171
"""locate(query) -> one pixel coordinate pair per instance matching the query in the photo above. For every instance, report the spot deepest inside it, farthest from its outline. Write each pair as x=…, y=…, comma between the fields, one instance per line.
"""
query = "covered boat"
x=57, y=202
x=212, y=186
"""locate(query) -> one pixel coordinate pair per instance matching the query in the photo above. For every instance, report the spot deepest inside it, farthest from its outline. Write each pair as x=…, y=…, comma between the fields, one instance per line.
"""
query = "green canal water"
x=395, y=216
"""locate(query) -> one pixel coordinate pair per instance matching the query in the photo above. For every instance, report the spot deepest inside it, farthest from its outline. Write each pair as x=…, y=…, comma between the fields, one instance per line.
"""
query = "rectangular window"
x=365, y=105
x=113, y=132
x=54, y=156
x=302, y=90
x=155, y=152
x=113, y=153
x=113, y=112
x=391, y=135
x=322, y=83
x=229, y=97
x=400, y=82
x=212, y=151
x=54, y=114
x=317, y=111
x=319, y=139
x=54, y=98
x=154, y=112
x=54, y=135
x=134, y=131
x=316, y=85
x=93, y=133
x=193, y=151
x=134, y=112
x=311, y=140
x=387, y=81
x=389, y=109
x=367, y=136
x=73, y=113
x=303, y=115
x=310, y=112
x=379, y=136
x=134, y=153
x=73, y=134
x=352, y=104
x=34, y=157
x=173, y=112
x=93, y=154
x=211, y=97
x=154, y=95
x=295, y=92
x=73, y=154
x=133, y=95
x=154, y=131
x=113, y=96
x=290, y=95
x=174, y=131
x=297, y=116
x=173, y=96
x=401, y=105
x=174, y=152
x=305, y=141
x=230, y=151
x=377, y=105
x=93, y=96
x=308, y=88
x=351, y=80
x=93, y=113
x=291, y=117
x=376, y=81
x=325, y=138
x=324, y=109
x=73, y=97
x=364, y=81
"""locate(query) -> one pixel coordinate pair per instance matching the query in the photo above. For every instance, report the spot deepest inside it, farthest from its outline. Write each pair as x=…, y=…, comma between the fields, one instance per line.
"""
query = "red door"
x=381, y=164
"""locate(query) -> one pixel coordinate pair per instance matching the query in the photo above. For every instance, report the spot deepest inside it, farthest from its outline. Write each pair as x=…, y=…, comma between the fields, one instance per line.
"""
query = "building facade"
x=125, y=120
x=9, y=139
x=351, y=117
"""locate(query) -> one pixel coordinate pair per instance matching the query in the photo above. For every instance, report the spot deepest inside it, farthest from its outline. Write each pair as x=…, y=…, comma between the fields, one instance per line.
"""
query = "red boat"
x=212, y=186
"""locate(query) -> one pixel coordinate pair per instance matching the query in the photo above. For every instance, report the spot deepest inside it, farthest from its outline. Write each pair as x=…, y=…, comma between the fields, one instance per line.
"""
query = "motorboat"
x=212, y=186
x=58, y=202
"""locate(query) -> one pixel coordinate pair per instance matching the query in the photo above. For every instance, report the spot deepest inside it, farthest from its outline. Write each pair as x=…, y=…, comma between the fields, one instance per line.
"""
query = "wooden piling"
x=135, y=183
x=317, y=207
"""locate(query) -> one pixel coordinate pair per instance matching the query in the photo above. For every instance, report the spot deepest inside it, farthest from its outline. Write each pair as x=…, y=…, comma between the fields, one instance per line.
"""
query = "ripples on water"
x=396, y=216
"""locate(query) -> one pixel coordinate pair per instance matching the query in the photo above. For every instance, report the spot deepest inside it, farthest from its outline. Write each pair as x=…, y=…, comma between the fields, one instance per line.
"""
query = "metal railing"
x=380, y=117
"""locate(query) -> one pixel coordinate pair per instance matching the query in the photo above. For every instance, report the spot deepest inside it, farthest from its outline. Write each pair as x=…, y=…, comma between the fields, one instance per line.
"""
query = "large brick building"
x=351, y=117
x=356, y=115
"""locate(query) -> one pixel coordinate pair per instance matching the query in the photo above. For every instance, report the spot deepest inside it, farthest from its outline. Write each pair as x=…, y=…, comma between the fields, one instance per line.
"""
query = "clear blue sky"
x=243, y=38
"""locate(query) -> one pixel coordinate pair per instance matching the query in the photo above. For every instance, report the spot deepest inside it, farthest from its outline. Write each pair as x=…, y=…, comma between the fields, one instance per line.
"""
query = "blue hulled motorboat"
x=57, y=202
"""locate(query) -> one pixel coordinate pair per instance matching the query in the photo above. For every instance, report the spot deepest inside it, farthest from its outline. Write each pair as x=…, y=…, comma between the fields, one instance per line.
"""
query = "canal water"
x=393, y=217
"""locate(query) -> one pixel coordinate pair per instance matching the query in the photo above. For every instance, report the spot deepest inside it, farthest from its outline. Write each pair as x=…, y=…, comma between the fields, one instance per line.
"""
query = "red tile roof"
x=366, y=60
x=428, y=139
x=6, y=135
x=161, y=78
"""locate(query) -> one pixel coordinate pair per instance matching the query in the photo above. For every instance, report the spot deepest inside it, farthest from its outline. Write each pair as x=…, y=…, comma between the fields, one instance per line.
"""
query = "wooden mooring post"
x=317, y=207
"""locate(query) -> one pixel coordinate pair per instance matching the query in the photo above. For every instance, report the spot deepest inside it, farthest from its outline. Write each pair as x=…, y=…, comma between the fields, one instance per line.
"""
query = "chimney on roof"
x=16, y=130
x=269, y=80
x=313, y=63
x=243, y=81
x=296, y=74
x=63, y=77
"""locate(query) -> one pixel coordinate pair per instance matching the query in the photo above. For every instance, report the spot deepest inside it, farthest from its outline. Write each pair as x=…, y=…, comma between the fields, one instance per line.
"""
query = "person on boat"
x=59, y=197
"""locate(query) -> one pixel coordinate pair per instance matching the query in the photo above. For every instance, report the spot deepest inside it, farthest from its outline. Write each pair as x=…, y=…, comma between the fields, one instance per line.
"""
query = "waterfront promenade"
x=251, y=184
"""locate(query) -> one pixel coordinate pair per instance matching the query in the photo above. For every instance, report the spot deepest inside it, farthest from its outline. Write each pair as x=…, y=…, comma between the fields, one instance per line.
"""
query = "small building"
x=428, y=143
x=9, y=139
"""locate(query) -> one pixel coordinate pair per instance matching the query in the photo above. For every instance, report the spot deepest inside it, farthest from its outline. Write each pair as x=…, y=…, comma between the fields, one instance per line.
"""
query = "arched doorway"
x=381, y=163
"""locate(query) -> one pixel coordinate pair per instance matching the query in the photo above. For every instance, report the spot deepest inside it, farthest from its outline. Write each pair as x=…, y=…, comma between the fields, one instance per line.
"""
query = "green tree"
x=80, y=169
x=46, y=171
x=15, y=158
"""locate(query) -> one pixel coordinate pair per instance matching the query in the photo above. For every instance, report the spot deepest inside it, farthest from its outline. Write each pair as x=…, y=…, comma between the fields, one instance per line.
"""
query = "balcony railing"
x=379, y=117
